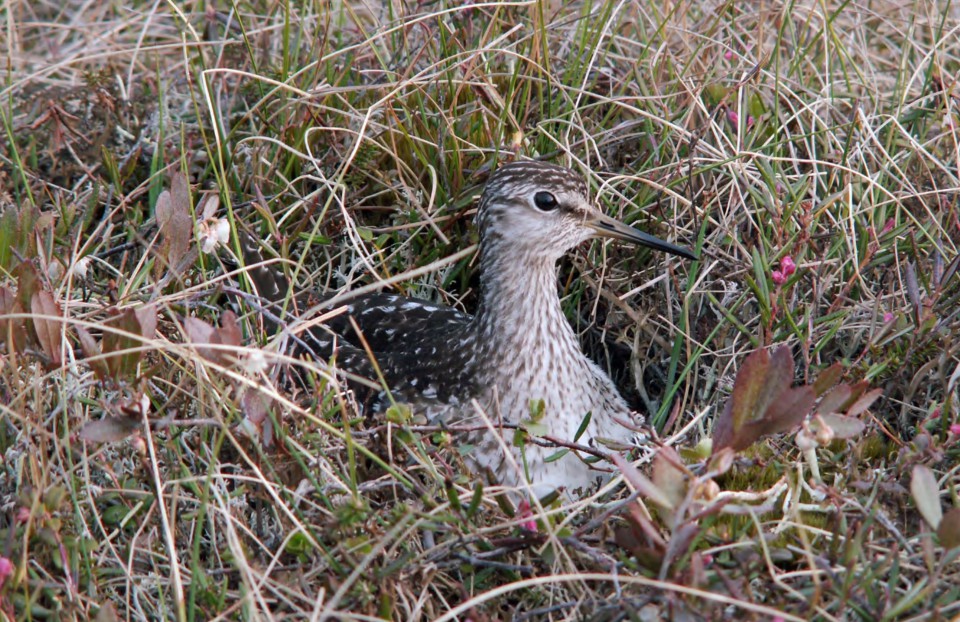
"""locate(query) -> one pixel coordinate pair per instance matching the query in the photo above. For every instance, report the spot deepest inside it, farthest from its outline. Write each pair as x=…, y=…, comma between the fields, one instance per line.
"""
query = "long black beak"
x=609, y=228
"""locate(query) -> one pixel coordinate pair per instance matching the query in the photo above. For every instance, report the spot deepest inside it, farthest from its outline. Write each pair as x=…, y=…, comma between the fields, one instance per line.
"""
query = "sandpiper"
x=516, y=355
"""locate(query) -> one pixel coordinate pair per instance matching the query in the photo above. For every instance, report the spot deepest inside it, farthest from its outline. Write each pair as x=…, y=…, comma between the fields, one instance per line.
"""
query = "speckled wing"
x=420, y=348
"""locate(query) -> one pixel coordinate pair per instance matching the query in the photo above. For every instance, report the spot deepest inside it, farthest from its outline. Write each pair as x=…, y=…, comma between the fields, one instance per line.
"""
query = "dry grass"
x=354, y=138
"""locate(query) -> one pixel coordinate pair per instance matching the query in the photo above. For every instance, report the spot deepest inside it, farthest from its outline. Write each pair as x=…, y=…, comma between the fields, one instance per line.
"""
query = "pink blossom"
x=888, y=317
x=728, y=55
x=750, y=120
x=778, y=277
x=6, y=569
x=733, y=117
x=525, y=512
x=955, y=429
x=22, y=515
x=888, y=227
x=787, y=266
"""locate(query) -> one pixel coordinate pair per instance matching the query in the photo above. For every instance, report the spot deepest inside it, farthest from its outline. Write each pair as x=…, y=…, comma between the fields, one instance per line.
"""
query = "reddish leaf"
x=107, y=613
x=201, y=334
x=788, y=410
x=827, y=379
x=256, y=422
x=759, y=382
x=926, y=494
x=644, y=527
x=229, y=333
x=721, y=460
x=763, y=401
x=843, y=426
x=856, y=390
x=256, y=406
x=668, y=477
x=864, y=402
x=122, y=340
x=641, y=483
x=147, y=319
x=833, y=401
x=680, y=542
x=174, y=220
x=109, y=429
x=28, y=283
x=949, y=529
x=49, y=329
x=91, y=350
x=723, y=428
x=12, y=330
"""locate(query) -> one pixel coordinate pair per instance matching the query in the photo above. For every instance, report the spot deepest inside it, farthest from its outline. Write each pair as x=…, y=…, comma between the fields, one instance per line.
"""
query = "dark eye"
x=545, y=201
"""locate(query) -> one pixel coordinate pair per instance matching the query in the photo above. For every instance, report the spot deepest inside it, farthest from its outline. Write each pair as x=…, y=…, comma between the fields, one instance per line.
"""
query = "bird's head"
x=543, y=210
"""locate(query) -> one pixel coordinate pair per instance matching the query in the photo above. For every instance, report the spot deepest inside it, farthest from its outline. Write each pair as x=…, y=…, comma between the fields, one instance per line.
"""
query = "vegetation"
x=163, y=459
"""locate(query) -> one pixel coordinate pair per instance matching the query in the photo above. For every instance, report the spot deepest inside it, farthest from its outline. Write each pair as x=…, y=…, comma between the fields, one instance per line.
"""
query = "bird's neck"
x=519, y=312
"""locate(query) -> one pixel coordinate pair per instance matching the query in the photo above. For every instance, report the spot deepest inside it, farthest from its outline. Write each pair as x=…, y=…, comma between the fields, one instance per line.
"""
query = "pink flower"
x=6, y=569
x=728, y=55
x=787, y=266
x=955, y=429
x=750, y=120
x=525, y=512
x=733, y=117
x=888, y=317
x=778, y=277
x=888, y=227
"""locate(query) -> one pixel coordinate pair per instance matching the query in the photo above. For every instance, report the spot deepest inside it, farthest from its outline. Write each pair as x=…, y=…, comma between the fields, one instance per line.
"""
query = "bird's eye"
x=545, y=201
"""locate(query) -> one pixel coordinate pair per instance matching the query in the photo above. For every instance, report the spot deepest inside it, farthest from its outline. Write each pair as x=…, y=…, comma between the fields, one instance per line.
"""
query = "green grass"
x=355, y=138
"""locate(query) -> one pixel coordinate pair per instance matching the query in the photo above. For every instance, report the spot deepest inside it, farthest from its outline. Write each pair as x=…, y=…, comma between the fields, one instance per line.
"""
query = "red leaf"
x=763, y=401
x=12, y=331
x=833, y=401
x=91, y=350
x=28, y=283
x=926, y=494
x=109, y=429
x=949, y=529
x=641, y=483
x=174, y=220
x=864, y=402
x=843, y=426
x=48, y=325
x=200, y=334
x=827, y=379
x=147, y=319
x=122, y=342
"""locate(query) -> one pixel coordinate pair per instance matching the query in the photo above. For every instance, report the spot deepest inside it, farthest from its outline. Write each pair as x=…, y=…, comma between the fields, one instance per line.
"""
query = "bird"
x=516, y=359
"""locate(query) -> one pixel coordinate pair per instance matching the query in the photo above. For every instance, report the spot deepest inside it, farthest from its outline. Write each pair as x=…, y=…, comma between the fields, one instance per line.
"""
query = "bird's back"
x=421, y=349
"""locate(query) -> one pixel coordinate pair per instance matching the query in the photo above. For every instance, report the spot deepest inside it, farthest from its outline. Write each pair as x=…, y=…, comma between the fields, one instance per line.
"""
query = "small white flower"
x=80, y=267
x=805, y=441
x=254, y=363
x=213, y=233
x=222, y=229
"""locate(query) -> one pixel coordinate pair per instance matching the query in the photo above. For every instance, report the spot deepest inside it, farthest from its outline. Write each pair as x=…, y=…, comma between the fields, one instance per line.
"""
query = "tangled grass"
x=157, y=463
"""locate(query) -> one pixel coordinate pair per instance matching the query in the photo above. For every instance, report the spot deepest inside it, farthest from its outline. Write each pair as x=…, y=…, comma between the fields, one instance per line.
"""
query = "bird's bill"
x=607, y=227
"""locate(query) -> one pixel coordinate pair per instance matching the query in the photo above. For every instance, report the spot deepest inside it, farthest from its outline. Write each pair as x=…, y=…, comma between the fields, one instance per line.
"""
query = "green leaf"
x=583, y=426
x=556, y=455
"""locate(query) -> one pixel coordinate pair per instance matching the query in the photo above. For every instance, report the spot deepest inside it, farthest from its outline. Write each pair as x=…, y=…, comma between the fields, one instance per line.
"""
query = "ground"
x=162, y=459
